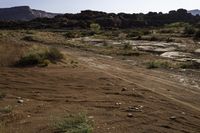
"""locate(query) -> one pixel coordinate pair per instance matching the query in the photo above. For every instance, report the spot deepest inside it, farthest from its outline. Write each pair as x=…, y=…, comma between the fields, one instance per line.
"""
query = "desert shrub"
x=139, y=38
x=134, y=34
x=73, y=124
x=122, y=36
x=53, y=54
x=146, y=32
x=153, y=38
x=39, y=56
x=158, y=64
x=169, y=40
x=29, y=32
x=167, y=31
x=189, y=65
x=197, y=34
x=28, y=38
x=129, y=53
x=127, y=46
x=94, y=27
x=177, y=25
x=33, y=38
x=189, y=30
x=72, y=34
x=6, y=109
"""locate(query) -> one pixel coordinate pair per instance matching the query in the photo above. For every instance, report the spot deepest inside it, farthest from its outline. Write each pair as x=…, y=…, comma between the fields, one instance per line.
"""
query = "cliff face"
x=23, y=13
x=195, y=12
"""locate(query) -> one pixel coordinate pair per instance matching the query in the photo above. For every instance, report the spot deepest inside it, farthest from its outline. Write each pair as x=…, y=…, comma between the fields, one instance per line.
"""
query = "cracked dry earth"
x=121, y=98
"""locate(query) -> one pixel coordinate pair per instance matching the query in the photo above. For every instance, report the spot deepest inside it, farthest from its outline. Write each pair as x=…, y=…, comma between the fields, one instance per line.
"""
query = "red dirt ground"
x=94, y=86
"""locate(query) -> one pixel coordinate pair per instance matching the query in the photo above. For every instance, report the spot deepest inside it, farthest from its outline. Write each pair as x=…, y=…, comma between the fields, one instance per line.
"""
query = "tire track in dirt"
x=118, y=72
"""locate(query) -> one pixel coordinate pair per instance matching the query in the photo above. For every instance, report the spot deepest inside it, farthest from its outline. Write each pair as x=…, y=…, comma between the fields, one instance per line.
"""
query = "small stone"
x=182, y=80
x=173, y=117
x=124, y=89
x=27, y=100
x=19, y=97
x=110, y=84
x=183, y=70
x=20, y=101
x=28, y=116
x=118, y=103
x=183, y=113
x=130, y=115
x=91, y=117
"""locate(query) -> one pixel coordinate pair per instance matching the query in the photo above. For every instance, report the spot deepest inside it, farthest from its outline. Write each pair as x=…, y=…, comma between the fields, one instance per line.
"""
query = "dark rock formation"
x=23, y=13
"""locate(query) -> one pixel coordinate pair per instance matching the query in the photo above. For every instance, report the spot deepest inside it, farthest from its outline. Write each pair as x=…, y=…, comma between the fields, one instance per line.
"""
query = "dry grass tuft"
x=9, y=53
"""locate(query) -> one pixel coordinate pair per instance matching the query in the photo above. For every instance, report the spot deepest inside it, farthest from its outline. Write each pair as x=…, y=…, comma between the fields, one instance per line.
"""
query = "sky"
x=116, y=6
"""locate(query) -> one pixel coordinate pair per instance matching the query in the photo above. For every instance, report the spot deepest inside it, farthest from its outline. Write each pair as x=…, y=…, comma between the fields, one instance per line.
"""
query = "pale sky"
x=127, y=6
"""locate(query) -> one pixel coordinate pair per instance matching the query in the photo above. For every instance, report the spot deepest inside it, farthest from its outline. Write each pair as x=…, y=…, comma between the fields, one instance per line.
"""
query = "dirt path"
x=106, y=89
x=154, y=82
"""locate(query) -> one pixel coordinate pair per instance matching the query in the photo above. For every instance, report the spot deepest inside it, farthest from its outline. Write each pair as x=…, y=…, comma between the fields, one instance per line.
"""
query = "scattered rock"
x=135, y=108
x=19, y=97
x=173, y=118
x=118, y=103
x=20, y=101
x=175, y=54
x=124, y=89
x=197, y=51
x=110, y=84
x=129, y=115
x=183, y=113
x=182, y=80
x=182, y=70
x=91, y=117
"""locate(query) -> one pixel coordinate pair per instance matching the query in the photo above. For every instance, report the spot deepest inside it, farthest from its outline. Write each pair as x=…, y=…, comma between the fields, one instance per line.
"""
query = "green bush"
x=73, y=124
x=167, y=31
x=134, y=34
x=177, y=25
x=72, y=34
x=6, y=109
x=197, y=34
x=153, y=38
x=158, y=64
x=29, y=38
x=40, y=56
x=189, y=30
x=94, y=27
x=190, y=65
x=53, y=54
x=127, y=46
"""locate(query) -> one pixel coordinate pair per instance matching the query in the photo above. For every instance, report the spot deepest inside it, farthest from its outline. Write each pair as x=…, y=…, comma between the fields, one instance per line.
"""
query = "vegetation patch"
x=127, y=46
x=189, y=65
x=2, y=95
x=73, y=124
x=40, y=56
x=30, y=38
x=158, y=64
x=6, y=110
